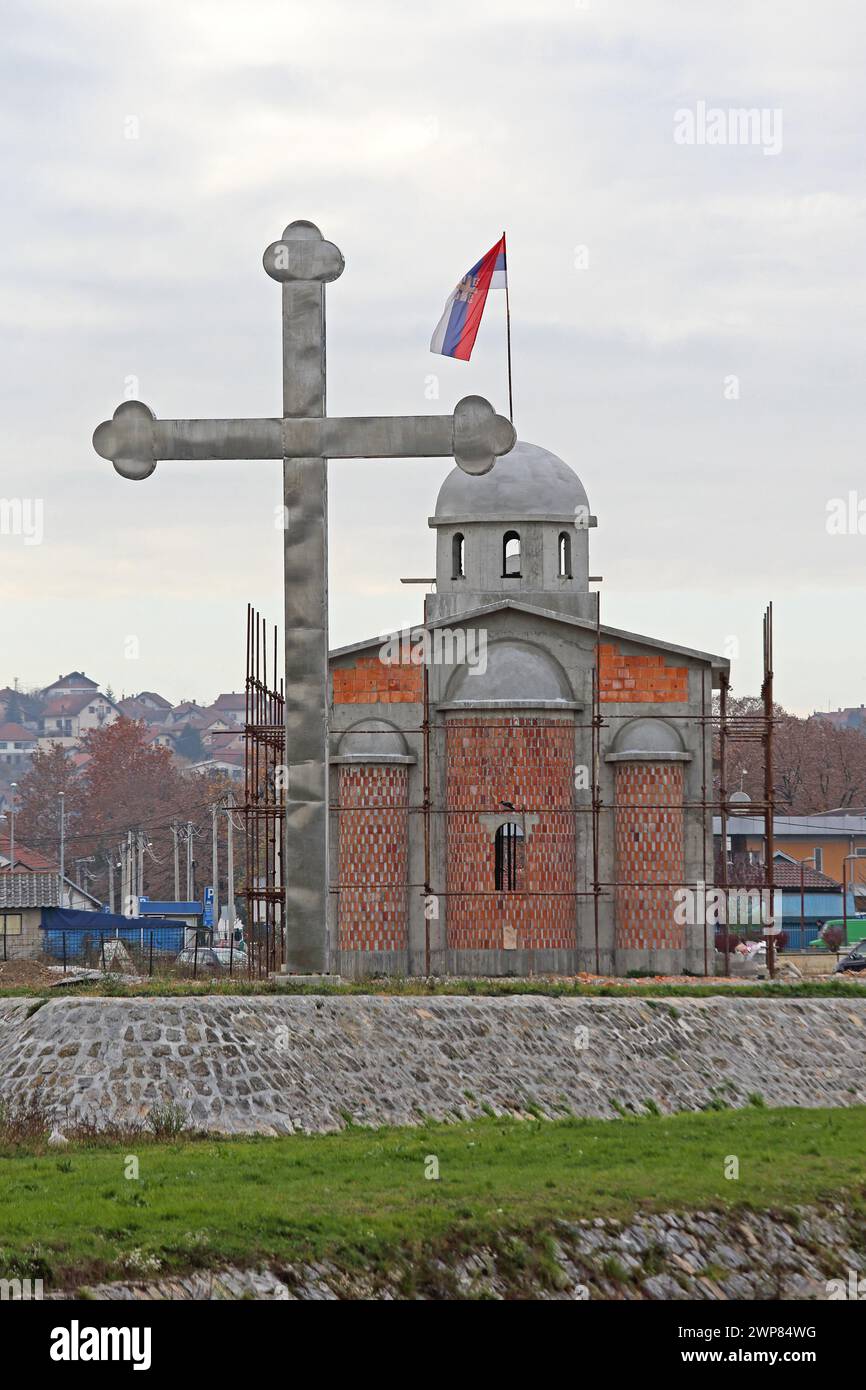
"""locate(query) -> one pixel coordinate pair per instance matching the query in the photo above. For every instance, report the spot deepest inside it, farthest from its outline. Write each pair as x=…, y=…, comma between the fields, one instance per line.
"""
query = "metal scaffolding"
x=264, y=761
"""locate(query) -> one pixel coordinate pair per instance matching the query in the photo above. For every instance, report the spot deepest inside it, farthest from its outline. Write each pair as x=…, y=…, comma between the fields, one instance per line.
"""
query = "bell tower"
x=520, y=531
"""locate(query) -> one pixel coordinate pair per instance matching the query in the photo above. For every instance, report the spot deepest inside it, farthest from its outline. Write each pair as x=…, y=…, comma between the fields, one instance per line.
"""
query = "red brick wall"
x=373, y=851
x=374, y=682
x=649, y=847
x=529, y=762
x=639, y=679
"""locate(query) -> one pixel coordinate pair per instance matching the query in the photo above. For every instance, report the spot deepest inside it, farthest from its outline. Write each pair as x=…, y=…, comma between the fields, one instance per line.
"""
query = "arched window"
x=564, y=555
x=508, y=858
x=458, y=556
x=511, y=555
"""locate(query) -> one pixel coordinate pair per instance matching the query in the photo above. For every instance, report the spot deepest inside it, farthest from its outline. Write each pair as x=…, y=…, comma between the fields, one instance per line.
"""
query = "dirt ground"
x=25, y=972
x=32, y=973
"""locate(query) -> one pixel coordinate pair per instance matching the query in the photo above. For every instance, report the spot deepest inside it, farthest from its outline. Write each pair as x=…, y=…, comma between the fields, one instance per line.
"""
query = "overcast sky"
x=152, y=150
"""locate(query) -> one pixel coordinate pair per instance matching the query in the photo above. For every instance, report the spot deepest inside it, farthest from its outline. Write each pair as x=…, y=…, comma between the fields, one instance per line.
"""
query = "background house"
x=24, y=898
x=66, y=718
x=17, y=746
x=828, y=839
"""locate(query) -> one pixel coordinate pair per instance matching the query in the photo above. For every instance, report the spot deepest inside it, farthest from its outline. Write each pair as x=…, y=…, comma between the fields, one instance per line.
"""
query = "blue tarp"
x=84, y=932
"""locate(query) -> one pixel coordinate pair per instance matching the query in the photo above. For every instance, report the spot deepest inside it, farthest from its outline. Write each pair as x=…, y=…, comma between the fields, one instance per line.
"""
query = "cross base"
x=284, y=977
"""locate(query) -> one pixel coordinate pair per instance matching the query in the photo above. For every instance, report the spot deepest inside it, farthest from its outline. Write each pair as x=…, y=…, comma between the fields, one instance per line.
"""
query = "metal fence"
x=146, y=951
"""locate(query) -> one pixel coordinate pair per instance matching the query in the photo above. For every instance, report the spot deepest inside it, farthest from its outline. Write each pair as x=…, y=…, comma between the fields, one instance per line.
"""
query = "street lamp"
x=845, y=894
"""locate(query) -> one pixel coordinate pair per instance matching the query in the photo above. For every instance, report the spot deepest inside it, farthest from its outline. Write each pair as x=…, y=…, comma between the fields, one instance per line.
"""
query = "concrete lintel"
x=378, y=758
x=509, y=519
x=492, y=820
x=637, y=755
x=557, y=706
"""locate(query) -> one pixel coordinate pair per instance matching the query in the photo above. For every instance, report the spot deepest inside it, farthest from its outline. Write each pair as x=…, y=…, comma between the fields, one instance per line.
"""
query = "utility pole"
x=215, y=867
x=13, y=788
x=130, y=876
x=189, y=861
x=230, y=867
x=142, y=846
x=174, y=829
x=62, y=844
x=110, y=858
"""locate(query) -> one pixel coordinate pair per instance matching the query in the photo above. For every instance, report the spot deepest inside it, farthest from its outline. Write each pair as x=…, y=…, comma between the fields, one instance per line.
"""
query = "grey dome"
x=516, y=671
x=648, y=740
x=648, y=736
x=372, y=738
x=528, y=484
x=741, y=801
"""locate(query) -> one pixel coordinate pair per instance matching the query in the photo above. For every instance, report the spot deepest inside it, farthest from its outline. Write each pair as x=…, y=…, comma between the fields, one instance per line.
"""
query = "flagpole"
x=508, y=332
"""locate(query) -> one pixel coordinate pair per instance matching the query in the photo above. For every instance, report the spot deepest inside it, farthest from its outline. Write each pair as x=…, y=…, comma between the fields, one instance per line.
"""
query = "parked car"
x=222, y=954
x=855, y=927
x=855, y=959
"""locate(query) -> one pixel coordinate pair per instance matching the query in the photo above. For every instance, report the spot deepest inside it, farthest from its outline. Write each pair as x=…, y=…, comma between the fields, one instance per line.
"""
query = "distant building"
x=163, y=738
x=854, y=717
x=148, y=707
x=24, y=897
x=229, y=765
x=76, y=683
x=66, y=718
x=17, y=746
x=156, y=702
x=230, y=706
x=187, y=712
x=826, y=840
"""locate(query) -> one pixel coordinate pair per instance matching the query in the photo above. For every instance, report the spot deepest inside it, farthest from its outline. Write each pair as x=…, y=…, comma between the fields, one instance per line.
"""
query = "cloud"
x=155, y=149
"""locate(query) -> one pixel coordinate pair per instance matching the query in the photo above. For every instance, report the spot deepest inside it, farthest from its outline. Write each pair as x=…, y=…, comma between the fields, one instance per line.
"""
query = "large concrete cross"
x=305, y=438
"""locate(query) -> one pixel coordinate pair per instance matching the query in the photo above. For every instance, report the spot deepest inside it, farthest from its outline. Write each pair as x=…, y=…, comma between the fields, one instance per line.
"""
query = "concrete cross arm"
x=134, y=439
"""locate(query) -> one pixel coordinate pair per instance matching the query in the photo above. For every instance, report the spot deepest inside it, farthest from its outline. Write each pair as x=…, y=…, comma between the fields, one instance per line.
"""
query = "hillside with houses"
x=202, y=738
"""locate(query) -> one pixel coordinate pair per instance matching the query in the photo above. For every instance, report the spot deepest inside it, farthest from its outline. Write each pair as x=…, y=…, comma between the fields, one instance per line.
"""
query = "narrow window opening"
x=508, y=858
x=564, y=555
x=458, y=556
x=511, y=555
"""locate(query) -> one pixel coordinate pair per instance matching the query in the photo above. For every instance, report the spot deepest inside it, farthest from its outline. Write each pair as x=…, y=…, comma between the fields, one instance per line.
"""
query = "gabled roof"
x=814, y=827
x=132, y=708
x=232, y=699
x=25, y=889
x=718, y=663
x=786, y=874
x=154, y=698
x=16, y=733
x=67, y=705
x=75, y=678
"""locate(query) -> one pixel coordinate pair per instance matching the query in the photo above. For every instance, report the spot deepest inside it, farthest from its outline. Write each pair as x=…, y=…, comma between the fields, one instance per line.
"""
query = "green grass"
x=172, y=988
x=361, y=1196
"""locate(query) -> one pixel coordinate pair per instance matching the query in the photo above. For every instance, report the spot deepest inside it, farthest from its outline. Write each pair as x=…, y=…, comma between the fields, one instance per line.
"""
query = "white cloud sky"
x=412, y=134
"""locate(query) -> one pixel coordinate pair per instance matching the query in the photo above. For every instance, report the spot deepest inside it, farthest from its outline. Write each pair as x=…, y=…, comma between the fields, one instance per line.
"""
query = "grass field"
x=362, y=1197
x=831, y=988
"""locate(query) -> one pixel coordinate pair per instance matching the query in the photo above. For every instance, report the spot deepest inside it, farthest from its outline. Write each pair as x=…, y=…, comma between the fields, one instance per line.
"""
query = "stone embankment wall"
x=277, y=1064
x=810, y=1254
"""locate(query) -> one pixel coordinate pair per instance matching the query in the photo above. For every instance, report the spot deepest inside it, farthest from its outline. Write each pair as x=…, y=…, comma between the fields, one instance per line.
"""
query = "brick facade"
x=529, y=762
x=373, y=857
x=374, y=682
x=649, y=848
x=631, y=679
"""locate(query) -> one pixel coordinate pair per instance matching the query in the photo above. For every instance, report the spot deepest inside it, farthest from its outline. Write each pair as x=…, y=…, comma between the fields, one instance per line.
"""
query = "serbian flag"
x=457, y=329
